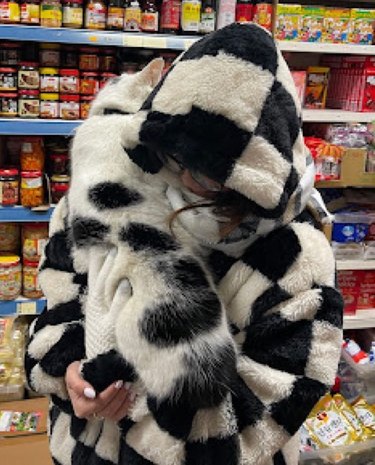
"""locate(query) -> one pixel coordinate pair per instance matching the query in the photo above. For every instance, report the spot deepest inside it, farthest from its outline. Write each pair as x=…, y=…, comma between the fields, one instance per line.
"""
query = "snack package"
x=366, y=413
x=328, y=427
x=312, y=23
x=307, y=444
x=366, y=298
x=288, y=22
x=361, y=26
x=349, y=282
x=336, y=25
x=367, y=95
x=316, y=87
x=349, y=413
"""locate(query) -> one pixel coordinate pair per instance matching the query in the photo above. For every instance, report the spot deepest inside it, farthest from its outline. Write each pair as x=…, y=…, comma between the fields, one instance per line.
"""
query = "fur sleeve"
x=289, y=340
x=57, y=335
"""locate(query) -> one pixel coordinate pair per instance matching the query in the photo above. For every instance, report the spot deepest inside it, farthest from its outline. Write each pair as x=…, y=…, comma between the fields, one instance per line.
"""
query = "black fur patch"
x=185, y=272
x=219, y=264
x=55, y=461
x=29, y=364
x=58, y=253
x=145, y=159
x=278, y=459
x=248, y=408
x=205, y=142
x=291, y=412
x=88, y=231
x=273, y=254
x=288, y=343
x=105, y=369
x=128, y=456
x=54, y=413
x=77, y=425
x=269, y=299
x=214, y=451
x=125, y=424
x=307, y=217
x=250, y=43
x=331, y=308
x=141, y=237
x=112, y=195
x=279, y=123
x=64, y=405
x=68, y=349
x=60, y=313
x=85, y=455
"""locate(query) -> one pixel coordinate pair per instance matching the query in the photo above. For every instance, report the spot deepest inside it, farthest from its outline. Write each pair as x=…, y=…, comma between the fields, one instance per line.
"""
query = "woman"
x=225, y=123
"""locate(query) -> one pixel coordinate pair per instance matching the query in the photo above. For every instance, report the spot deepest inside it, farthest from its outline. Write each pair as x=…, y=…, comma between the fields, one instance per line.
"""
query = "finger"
x=106, y=396
x=97, y=256
x=76, y=383
x=107, y=266
x=124, y=408
x=122, y=295
x=113, y=406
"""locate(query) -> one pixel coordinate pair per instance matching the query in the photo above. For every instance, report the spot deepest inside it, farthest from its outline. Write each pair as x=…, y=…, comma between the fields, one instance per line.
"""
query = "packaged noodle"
x=328, y=427
x=366, y=413
x=349, y=413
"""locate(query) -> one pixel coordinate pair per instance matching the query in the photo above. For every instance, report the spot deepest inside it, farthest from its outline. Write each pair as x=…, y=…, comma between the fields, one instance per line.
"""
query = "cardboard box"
x=26, y=448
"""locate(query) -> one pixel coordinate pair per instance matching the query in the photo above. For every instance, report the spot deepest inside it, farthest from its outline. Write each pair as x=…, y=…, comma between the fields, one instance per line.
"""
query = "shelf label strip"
x=26, y=308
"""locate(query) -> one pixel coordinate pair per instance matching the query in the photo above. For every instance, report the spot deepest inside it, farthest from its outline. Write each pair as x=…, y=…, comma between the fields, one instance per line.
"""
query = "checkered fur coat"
x=228, y=344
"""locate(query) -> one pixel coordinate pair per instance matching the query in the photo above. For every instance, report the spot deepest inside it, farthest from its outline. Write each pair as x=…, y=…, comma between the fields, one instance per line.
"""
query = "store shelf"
x=24, y=215
x=355, y=264
x=311, y=47
x=361, y=320
x=22, y=306
x=337, y=116
x=87, y=37
x=37, y=127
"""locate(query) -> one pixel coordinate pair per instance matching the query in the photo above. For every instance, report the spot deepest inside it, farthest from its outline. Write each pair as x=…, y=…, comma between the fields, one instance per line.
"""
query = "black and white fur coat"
x=229, y=343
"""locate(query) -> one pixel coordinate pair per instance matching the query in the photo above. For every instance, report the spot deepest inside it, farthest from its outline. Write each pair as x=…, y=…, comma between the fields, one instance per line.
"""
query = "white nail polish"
x=118, y=384
x=89, y=393
x=127, y=386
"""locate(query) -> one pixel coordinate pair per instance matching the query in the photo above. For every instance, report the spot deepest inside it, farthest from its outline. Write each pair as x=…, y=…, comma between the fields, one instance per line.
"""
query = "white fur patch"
x=58, y=286
x=61, y=442
x=108, y=444
x=302, y=306
x=45, y=384
x=45, y=339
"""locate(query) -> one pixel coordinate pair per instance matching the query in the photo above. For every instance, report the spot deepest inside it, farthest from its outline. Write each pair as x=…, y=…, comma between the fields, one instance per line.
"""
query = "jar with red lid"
x=69, y=81
x=108, y=60
x=105, y=77
x=9, y=187
x=32, y=192
x=30, y=12
x=69, y=106
x=10, y=53
x=89, y=83
x=8, y=79
x=30, y=282
x=59, y=187
x=28, y=75
x=89, y=59
x=9, y=12
x=59, y=163
x=8, y=104
x=28, y=104
x=86, y=101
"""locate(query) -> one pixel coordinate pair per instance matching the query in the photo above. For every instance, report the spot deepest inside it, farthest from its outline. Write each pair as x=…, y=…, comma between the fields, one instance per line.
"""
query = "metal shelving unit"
x=336, y=116
x=355, y=265
x=362, y=320
x=37, y=127
x=22, y=306
x=20, y=214
x=314, y=47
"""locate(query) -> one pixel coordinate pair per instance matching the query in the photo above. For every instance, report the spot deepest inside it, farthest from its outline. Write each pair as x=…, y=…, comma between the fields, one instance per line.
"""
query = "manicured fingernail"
x=127, y=386
x=118, y=384
x=132, y=396
x=89, y=393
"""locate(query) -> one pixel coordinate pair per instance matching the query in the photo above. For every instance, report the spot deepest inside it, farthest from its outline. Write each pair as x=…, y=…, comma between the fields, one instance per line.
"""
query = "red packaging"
x=262, y=15
x=170, y=15
x=299, y=78
x=349, y=283
x=244, y=12
x=368, y=103
x=366, y=297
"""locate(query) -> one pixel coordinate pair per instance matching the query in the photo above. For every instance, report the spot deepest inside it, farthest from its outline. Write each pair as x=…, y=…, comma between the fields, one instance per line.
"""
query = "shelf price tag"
x=26, y=308
x=132, y=40
x=154, y=42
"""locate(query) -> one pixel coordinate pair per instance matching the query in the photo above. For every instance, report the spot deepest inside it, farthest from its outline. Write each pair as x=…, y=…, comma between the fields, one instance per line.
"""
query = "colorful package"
x=366, y=298
x=367, y=99
x=347, y=410
x=336, y=25
x=366, y=413
x=316, y=87
x=362, y=26
x=312, y=23
x=288, y=23
x=349, y=283
x=299, y=78
x=12, y=422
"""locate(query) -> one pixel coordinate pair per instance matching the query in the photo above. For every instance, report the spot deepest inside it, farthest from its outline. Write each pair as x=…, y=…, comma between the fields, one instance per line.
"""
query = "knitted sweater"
x=209, y=392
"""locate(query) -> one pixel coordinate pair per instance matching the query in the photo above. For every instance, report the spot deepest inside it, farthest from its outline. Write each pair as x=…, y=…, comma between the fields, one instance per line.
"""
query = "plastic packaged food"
x=69, y=81
x=49, y=106
x=10, y=53
x=366, y=413
x=9, y=187
x=8, y=104
x=59, y=187
x=262, y=13
x=86, y=101
x=312, y=23
x=8, y=79
x=28, y=103
x=49, y=55
x=89, y=83
x=10, y=12
x=288, y=24
x=9, y=237
x=95, y=14
x=347, y=410
x=89, y=59
x=34, y=239
x=30, y=12
x=69, y=107
x=49, y=79
x=10, y=276
x=51, y=13
x=31, y=286
x=28, y=76
x=361, y=26
x=73, y=13
x=336, y=25
x=59, y=163
x=132, y=21
x=32, y=192
x=32, y=154
x=316, y=87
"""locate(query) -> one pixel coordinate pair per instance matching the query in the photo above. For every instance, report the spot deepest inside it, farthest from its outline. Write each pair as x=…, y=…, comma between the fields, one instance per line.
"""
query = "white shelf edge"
x=362, y=320
x=339, y=116
x=320, y=47
x=342, y=265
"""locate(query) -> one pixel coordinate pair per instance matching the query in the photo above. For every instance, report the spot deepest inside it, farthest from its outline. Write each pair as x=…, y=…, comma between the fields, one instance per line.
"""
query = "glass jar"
x=32, y=154
x=10, y=53
x=89, y=83
x=31, y=286
x=115, y=16
x=34, y=238
x=95, y=14
x=10, y=276
x=59, y=187
x=69, y=81
x=30, y=12
x=9, y=237
x=8, y=104
x=73, y=13
x=28, y=104
x=86, y=101
x=32, y=192
x=9, y=12
x=49, y=106
x=69, y=57
x=108, y=60
x=28, y=75
x=8, y=79
x=49, y=55
x=59, y=163
x=69, y=106
x=51, y=13
x=9, y=187
x=49, y=79
x=89, y=59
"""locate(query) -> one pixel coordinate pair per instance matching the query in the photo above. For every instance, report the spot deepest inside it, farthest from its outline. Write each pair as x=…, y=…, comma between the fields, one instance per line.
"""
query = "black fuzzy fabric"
x=270, y=298
x=145, y=159
x=58, y=253
x=329, y=310
x=110, y=195
x=219, y=264
x=60, y=313
x=214, y=451
x=248, y=408
x=88, y=231
x=142, y=237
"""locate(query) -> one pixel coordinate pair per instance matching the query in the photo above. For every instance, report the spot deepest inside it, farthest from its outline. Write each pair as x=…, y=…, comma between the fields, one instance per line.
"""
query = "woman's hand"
x=113, y=403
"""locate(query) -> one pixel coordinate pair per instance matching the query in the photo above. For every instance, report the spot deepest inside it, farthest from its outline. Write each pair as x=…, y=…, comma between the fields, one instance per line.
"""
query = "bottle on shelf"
x=170, y=16
x=355, y=352
x=30, y=12
x=133, y=17
x=208, y=17
x=244, y=11
x=227, y=13
x=190, y=16
x=10, y=12
x=95, y=14
x=150, y=16
x=115, y=16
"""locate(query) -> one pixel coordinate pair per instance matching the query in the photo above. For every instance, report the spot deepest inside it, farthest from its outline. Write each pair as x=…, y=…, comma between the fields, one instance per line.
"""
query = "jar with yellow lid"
x=10, y=276
x=31, y=286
